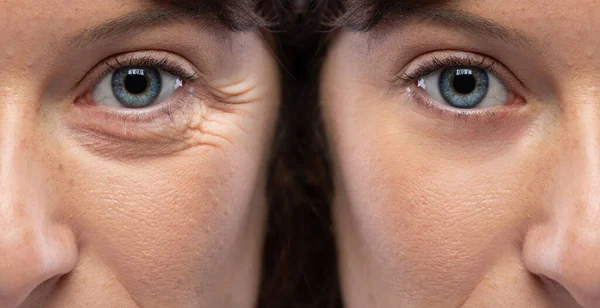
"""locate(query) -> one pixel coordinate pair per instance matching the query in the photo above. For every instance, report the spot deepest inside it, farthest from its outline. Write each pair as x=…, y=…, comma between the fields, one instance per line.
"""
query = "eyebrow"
x=128, y=24
x=206, y=13
x=399, y=15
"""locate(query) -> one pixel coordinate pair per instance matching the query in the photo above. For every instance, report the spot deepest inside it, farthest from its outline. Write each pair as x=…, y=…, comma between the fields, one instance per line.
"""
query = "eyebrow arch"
x=450, y=17
x=136, y=21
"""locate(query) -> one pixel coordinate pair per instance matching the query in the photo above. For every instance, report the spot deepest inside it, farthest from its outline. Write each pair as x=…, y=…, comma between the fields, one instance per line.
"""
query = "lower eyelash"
x=459, y=116
x=168, y=109
x=157, y=118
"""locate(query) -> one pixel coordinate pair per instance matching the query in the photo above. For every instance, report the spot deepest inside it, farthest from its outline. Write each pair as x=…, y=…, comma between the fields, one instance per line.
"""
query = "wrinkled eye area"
x=463, y=87
x=136, y=87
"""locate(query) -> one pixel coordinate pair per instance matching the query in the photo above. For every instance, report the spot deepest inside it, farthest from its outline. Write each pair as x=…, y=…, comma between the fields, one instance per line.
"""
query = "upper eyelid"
x=441, y=64
x=453, y=57
x=146, y=57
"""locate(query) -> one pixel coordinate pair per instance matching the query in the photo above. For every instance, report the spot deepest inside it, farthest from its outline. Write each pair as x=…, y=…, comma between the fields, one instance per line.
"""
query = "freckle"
x=372, y=300
x=60, y=168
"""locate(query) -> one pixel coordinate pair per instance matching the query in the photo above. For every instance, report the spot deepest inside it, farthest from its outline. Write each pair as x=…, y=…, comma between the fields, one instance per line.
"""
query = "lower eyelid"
x=170, y=114
x=429, y=107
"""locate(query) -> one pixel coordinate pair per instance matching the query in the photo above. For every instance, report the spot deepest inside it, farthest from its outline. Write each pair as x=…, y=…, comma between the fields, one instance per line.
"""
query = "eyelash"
x=436, y=64
x=135, y=59
x=429, y=66
x=163, y=64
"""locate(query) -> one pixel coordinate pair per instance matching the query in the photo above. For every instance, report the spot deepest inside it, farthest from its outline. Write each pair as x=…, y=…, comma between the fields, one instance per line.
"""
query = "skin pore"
x=102, y=205
x=496, y=205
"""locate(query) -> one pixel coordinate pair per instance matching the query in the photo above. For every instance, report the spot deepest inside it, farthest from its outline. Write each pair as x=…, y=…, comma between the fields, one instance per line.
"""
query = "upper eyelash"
x=163, y=64
x=436, y=64
x=146, y=60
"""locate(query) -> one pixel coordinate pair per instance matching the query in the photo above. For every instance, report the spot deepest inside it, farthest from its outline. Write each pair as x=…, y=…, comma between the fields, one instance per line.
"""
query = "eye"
x=465, y=87
x=135, y=87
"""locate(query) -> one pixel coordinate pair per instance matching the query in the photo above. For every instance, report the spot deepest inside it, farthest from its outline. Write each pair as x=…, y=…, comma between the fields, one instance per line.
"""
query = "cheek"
x=431, y=215
x=170, y=222
x=179, y=227
x=169, y=229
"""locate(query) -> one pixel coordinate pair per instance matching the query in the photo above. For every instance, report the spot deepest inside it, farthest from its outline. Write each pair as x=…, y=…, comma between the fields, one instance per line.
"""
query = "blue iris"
x=136, y=86
x=463, y=86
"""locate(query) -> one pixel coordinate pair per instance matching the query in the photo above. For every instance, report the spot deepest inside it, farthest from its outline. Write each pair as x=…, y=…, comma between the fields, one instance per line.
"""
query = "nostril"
x=557, y=291
x=42, y=292
x=565, y=297
x=26, y=294
x=565, y=260
x=31, y=266
x=46, y=286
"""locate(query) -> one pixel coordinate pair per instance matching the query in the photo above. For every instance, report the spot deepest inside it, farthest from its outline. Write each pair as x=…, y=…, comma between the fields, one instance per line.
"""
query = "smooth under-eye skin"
x=154, y=202
x=496, y=205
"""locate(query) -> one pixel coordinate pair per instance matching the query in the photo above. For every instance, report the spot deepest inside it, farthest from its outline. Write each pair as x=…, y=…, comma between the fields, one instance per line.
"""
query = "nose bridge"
x=578, y=172
x=17, y=162
x=20, y=217
x=30, y=243
x=15, y=165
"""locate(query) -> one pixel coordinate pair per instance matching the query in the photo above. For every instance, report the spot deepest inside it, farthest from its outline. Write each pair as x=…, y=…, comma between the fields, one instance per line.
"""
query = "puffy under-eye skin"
x=107, y=206
x=492, y=206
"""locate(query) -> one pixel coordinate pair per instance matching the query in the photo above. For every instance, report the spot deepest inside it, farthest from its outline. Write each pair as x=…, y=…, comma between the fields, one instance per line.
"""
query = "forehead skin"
x=149, y=220
x=435, y=211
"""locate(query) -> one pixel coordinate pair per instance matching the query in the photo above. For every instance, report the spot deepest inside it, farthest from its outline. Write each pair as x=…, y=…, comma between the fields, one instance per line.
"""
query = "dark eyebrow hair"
x=208, y=13
x=398, y=13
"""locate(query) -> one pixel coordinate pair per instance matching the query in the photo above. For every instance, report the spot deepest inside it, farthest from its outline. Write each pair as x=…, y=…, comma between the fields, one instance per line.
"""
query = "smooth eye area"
x=135, y=87
x=465, y=87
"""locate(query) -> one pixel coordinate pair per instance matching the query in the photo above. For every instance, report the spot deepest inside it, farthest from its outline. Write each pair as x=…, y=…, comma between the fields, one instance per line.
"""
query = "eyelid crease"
x=168, y=109
x=432, y=62
x=162, y=60
x=436, y=64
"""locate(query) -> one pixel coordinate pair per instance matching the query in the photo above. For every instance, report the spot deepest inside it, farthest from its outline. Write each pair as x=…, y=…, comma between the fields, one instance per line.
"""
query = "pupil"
x=136, y=84
x=464, y=84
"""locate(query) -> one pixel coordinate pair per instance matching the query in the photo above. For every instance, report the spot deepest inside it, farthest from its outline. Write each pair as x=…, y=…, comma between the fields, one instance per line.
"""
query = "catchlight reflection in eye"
x=464, y=87
x=135, y=87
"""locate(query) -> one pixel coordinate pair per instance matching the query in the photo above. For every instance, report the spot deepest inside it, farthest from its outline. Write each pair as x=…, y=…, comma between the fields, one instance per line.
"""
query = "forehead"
x=235, y=14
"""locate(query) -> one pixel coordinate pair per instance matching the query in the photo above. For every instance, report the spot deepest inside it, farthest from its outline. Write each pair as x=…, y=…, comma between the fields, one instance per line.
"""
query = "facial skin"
x=105, y=206
x=496, y=206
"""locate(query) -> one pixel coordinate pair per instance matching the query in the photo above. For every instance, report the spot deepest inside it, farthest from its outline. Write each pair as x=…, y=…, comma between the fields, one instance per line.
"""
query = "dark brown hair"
x=300, y=261
x=299, y=257
x=299, y=264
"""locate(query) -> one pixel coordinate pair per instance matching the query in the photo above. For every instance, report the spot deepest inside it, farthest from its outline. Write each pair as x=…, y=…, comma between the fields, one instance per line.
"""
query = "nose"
x=34, y=246
x=563, y=246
